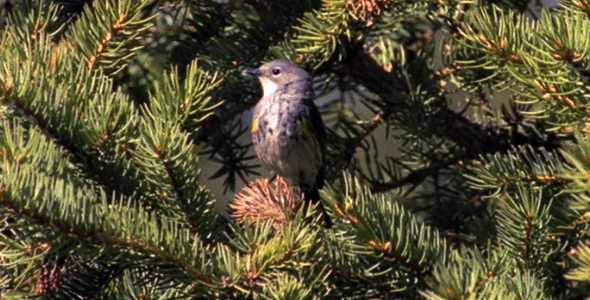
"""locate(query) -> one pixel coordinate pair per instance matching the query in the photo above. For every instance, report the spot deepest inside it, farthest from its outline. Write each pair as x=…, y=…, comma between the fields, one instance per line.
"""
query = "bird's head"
x=276, y=74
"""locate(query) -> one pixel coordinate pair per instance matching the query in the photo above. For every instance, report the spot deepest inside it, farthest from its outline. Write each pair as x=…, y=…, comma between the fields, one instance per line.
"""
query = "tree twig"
x=474, y=138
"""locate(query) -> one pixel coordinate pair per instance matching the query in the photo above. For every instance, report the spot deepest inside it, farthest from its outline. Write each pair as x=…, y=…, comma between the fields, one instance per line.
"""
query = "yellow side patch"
x=254, y=127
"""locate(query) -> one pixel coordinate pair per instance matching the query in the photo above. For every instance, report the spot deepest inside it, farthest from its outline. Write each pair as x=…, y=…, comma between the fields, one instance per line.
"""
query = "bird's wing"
x=317, y=125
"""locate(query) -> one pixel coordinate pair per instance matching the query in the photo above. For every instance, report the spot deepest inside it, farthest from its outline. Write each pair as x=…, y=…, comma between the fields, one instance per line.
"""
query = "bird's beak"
x=252, y=72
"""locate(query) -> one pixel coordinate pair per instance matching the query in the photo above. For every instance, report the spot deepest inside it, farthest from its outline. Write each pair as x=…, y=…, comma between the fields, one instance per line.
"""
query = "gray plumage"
x=288, y=133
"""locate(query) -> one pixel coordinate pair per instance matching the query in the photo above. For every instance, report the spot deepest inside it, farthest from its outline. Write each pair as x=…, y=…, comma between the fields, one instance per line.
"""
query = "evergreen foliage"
x=458, y=161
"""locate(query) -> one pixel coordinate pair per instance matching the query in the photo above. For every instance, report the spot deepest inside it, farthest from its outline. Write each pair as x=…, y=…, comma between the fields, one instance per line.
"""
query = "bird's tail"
x=312, y=197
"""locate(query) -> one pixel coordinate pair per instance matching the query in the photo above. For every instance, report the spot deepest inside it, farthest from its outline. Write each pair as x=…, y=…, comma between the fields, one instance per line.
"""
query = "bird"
x=288, y=133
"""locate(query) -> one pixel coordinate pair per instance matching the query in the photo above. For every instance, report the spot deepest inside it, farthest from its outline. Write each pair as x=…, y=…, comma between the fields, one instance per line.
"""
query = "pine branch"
x=475, y=138
x=385, y=229
x=416, y=177
x=484, y=276
x=581, y=257
x=115, y=27
x=101, y=197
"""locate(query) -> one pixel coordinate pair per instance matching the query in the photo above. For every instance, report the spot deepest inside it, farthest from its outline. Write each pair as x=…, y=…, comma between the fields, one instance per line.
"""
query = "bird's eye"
x=276, y=71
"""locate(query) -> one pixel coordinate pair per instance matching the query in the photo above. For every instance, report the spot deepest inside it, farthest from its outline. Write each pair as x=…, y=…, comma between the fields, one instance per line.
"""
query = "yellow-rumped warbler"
x=287, y=129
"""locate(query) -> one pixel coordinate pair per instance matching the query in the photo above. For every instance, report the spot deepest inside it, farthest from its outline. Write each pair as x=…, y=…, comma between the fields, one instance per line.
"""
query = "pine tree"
x=458, y=164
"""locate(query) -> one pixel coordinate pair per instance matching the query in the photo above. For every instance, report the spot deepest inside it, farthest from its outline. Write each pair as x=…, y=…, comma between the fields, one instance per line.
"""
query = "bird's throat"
x=268, y=87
